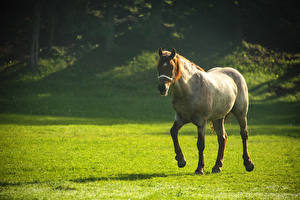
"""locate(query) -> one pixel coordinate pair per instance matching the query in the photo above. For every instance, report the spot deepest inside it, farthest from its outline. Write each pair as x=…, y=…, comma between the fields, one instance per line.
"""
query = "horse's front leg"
x=201, y=146
x=174, y=133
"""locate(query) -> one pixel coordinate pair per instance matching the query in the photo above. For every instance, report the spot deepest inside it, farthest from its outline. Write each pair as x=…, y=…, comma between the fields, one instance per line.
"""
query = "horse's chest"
x=186, y=109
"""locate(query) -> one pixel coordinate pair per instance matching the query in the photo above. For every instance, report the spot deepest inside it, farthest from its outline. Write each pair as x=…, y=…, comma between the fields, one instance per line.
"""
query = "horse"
x=199, y=97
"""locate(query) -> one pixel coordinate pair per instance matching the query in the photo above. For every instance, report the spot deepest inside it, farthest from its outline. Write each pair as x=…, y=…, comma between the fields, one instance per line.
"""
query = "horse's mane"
x=185, y=59
x=193, y=64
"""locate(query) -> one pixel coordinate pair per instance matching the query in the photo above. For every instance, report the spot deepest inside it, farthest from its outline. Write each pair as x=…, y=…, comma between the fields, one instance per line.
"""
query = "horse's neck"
x=183, y=87
x=188, y=69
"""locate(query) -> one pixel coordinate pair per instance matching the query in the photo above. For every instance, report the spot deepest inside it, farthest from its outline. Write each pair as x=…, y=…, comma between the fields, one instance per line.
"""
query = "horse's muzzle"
x=163, y=89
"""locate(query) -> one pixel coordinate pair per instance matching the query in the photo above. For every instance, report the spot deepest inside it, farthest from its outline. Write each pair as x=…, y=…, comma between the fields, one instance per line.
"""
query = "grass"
x=136, y=161
x=86, y=132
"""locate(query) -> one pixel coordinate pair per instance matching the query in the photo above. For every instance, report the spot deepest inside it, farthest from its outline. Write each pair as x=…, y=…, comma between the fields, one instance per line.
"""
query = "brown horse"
x=200, y=96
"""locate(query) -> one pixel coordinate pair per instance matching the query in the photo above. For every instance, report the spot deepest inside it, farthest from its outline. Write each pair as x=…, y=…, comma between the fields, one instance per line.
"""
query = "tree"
x=155, y=21
x=52, y=6
x=110, y=28
x=34, y=52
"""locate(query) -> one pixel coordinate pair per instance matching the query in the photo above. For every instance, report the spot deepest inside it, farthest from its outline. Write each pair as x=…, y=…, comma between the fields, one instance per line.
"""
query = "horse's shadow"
x=126, y=177
x=119, y=177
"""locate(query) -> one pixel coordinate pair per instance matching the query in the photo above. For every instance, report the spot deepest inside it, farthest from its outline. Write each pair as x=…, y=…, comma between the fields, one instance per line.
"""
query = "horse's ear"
x=173, y=53
x=160, y=52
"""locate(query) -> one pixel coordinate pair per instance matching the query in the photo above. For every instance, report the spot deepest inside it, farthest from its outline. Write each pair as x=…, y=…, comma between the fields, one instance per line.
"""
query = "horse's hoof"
x=249, y=166
x=216, y=169
x=180, y=160
x=181, y=164
x=199, y=172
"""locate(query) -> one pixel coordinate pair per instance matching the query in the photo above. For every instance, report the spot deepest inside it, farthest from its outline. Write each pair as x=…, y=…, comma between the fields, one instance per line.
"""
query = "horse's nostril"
x=162, y=88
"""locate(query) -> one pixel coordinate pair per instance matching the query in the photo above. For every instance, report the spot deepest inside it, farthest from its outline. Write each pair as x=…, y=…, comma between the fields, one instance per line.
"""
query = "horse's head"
x=168, y=70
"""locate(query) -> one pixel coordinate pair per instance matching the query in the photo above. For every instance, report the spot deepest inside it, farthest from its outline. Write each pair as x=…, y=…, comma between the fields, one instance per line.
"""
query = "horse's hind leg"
x=201, y=145
x=242, y=119
x=222, y=139
x=174, y=133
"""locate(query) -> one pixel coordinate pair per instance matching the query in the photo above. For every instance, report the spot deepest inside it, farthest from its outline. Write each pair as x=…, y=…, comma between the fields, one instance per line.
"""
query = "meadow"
x=105, y=135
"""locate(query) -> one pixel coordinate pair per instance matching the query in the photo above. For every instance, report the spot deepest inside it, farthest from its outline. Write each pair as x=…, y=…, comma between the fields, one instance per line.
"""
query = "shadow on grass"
x=40, y=120
x=142, y=110
x=82, y=104
x=127, y=177
x=277, y=86
x=88, y=100
x=120, y=177
x=6, y=184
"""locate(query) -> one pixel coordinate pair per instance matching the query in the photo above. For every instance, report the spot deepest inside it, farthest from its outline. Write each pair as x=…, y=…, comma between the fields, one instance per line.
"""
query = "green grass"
x=102, y=132
x=136, y=161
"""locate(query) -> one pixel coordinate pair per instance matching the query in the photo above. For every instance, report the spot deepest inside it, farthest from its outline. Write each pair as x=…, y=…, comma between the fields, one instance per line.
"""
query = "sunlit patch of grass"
x=136, y=161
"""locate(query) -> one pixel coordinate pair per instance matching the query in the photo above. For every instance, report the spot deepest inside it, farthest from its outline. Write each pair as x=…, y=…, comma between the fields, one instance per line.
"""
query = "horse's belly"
x=223, y=96
x=189, y=112
x=203, y=109
x=221, y=106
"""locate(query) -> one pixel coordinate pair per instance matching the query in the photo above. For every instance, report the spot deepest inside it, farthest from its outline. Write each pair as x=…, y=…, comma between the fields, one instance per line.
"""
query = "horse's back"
x=232, y=73
x=241, y=103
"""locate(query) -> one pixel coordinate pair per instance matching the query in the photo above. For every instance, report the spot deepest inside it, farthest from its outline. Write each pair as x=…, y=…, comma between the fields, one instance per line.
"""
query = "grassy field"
x=136, y=161
x=73, y=135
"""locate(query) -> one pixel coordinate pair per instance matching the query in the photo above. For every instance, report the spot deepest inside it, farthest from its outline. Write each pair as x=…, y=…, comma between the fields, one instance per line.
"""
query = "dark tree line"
x=35, y=46
x=30, y=29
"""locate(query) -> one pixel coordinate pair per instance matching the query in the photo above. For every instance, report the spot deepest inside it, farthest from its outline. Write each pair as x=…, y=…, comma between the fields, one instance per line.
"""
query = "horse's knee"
x=244, y=134
x=174, y=131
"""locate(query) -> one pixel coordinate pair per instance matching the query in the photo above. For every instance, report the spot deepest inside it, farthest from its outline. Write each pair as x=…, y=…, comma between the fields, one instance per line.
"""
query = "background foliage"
x=96, y=36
